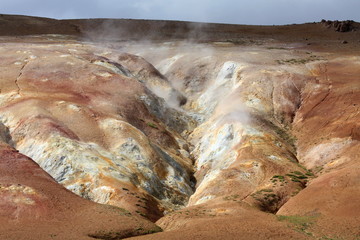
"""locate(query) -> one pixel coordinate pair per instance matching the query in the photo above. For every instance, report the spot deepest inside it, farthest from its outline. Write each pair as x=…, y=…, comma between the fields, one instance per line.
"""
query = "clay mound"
x=233, y=221
x=326, y=126
x=31, y=199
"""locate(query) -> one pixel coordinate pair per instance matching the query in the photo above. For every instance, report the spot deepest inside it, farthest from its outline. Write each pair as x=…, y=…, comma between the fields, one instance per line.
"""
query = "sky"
x=253, y=12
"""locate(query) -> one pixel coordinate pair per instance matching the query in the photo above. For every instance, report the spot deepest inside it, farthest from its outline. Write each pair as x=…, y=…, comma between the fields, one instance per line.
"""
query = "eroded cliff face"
x=207, y=134
x=88, y=122
x=246, y=102
x=34, y=206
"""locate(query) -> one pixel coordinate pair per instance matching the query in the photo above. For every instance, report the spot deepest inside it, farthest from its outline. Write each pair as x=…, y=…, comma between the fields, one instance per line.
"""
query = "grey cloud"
x=263, y=12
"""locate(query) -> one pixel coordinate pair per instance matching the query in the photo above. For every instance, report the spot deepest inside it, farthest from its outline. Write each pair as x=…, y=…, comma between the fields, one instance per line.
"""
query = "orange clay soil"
x=34, y=206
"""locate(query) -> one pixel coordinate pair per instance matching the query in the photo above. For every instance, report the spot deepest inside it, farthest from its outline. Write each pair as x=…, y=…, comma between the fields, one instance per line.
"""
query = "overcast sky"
x=259, y=12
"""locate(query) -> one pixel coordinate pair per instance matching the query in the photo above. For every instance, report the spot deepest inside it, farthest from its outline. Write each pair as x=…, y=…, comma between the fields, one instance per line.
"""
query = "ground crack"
x=328, y=91
x=26, y=61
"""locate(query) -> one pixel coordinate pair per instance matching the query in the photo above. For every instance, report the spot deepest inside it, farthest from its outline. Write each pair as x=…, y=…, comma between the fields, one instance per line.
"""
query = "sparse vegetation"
x=149, y=231
x=198, y=212
x=268, y=201
x=299, y=223
x=243, y=41
x=153, y=125
x=297, y=176
x=277, y=48
x=279, y=178
x=116, y=209
x=298, y=61
x=231, y=197
x=318, y=169
x=141, y=214
x=283, y=134
x=236, y=41
x=333, y=238
x=112, y=235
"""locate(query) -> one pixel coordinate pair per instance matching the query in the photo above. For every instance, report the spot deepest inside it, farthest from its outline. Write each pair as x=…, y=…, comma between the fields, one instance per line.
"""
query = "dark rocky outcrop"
x=340, y=26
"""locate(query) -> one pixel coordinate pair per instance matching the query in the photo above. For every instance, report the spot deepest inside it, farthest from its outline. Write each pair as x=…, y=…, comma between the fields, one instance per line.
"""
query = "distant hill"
x=129, y=29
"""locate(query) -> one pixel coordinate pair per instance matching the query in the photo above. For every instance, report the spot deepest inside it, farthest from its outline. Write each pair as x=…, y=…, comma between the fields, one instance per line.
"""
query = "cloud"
x=263, y=12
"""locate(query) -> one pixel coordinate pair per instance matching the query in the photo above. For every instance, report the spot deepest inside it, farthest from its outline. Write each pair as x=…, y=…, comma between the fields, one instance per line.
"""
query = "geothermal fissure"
x=129, y=140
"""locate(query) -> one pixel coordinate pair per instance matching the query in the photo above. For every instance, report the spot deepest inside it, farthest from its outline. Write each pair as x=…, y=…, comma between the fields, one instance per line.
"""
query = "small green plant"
x=149, y=231
x=141, y=214
x=279, y=177
x=231, y=197
x=276, y=178
x=150, y=124
x=303, y=178
x=277, y=48
x=283, y=134
x=298, y=61
x=116, y=209
x=236, y=41
x=318, y=169
x=333, y=238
